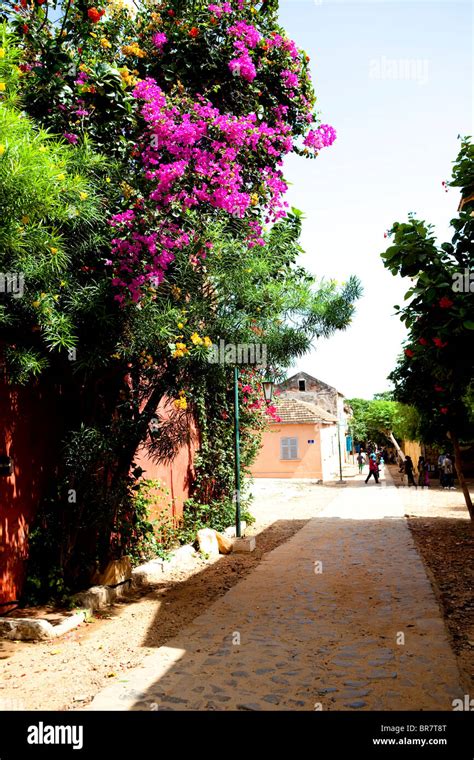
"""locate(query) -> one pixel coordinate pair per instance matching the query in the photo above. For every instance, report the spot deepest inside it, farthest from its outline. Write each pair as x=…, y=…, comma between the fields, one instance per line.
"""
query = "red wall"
x=28, y=434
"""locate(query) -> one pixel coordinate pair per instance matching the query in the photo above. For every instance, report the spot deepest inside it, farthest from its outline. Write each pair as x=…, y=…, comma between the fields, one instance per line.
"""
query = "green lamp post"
x=268, y=395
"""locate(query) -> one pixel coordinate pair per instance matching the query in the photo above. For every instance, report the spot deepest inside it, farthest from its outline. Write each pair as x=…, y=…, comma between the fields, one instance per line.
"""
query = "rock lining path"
x=329, y=640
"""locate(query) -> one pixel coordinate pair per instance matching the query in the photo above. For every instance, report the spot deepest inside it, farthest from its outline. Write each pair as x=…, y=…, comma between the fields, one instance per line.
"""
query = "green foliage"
x=435, y=370
x=375, y=419
x=114, y=367
x=144, y=538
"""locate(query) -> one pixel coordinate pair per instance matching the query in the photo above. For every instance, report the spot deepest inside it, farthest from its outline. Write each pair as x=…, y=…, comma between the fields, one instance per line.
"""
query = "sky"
x=395, y=80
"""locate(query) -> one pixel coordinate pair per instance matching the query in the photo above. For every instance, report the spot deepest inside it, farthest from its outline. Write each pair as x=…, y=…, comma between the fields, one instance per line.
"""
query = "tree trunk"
x=395, y=443
x=461, y=478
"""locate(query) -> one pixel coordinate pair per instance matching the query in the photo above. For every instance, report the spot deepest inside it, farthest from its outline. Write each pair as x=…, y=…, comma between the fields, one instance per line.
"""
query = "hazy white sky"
x=395, y=80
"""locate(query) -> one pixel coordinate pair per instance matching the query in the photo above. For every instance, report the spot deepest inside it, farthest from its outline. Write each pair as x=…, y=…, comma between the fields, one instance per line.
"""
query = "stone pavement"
x=340, y=617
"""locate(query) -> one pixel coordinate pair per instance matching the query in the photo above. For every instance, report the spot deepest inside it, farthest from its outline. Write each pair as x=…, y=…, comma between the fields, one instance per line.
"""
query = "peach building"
x=303, y=445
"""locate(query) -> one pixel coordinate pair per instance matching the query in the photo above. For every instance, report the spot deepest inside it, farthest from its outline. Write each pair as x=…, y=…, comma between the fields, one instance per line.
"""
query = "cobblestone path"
x=340, y=617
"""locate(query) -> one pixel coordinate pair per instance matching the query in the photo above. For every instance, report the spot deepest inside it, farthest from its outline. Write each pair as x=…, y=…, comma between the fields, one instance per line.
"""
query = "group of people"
x=376, y=460
x=416, y=476
x=422, y=473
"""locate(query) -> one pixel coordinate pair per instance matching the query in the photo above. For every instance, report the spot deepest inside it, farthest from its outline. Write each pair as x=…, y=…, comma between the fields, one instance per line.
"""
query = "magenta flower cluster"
x=193, y=156
x=322, y=137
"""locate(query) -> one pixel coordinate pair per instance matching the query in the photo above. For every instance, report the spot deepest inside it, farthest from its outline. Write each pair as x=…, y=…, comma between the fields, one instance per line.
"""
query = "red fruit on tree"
x=94, y=15
x=445, y=302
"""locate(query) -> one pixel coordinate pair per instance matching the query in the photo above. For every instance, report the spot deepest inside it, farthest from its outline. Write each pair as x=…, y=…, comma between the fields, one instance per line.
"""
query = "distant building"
x=305, y=443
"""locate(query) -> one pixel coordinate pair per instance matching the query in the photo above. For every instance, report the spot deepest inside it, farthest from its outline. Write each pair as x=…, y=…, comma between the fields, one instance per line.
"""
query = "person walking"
x=409, y=471
x=441, y=459
x=361, y=461
x=373, y=469
x=421, y=467
x=402, y=472
x=448, y=473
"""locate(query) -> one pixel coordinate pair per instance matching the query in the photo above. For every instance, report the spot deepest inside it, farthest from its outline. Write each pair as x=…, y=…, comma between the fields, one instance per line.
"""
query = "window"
x=289, y=448
x=301, y=385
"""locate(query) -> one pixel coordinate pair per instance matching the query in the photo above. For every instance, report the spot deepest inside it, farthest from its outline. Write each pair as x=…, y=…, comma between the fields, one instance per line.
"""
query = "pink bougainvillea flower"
x=159, y=40
x=70, y=137
x=321, y=137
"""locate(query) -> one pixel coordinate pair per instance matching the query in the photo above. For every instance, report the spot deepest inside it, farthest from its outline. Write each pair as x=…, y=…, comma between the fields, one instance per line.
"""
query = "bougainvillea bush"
x=200, y=101
x=182, y=114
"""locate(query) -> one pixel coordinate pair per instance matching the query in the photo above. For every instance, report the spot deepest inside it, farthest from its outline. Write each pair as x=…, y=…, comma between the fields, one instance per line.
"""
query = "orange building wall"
x=269, y=463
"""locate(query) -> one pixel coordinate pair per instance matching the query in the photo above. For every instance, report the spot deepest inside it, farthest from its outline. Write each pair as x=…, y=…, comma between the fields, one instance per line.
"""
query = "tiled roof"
x=296, y=411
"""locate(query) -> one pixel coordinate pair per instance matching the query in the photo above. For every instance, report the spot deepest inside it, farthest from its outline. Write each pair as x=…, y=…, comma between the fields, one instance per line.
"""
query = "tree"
x=382, y=419
x=435, y=372
x=156, y=277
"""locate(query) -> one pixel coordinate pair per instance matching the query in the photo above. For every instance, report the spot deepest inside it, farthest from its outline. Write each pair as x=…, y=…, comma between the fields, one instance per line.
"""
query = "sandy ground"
x=444, y=536
x=68, y=672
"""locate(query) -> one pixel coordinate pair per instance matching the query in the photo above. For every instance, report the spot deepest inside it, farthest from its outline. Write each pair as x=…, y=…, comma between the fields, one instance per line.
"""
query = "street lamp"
x=268, y=394
x=268, y=386
x=340, y=422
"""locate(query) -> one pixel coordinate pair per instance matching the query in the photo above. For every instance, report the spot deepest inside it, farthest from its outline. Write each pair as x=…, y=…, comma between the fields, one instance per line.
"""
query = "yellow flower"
x=176, y=291
x=207, y=341
x=61, y=177
x=196, y=339
x=53, y=250
x=2, y=150
x=2, y=52
x=42, y=149
x=2, y=86
x=180, y=403
x=181, y=346
x=108, y=180
x=177, y=354
x=134, y=49
x=25, y=219
x=83, y=196
x=254, y=199
x=105, y=43
x=36, y=304
x=180, y=325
